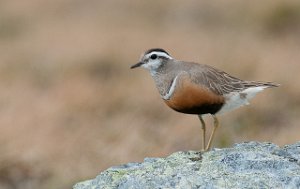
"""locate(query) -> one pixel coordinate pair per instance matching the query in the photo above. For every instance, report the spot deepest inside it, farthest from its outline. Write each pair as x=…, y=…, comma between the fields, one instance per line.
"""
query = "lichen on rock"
x=246, y=165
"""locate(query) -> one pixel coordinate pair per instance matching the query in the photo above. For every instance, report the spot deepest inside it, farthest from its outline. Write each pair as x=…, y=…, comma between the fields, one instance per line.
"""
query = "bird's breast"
x=191, y=98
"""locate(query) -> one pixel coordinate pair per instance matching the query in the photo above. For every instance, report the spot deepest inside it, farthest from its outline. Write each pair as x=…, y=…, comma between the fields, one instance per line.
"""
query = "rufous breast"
x=192, y=98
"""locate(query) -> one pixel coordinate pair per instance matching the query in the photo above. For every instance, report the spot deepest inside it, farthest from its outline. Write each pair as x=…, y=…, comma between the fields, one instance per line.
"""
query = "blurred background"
x=70, y=107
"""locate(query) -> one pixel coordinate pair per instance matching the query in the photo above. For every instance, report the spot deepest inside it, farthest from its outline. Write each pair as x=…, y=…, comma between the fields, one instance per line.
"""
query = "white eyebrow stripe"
x=168, y=95
x=160, y=54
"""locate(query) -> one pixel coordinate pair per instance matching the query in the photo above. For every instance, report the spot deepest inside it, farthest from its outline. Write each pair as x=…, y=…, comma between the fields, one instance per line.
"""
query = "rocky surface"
x=246, y=165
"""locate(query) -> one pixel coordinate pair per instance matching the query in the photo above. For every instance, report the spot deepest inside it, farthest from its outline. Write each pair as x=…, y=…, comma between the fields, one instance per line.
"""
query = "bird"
x=199, y=89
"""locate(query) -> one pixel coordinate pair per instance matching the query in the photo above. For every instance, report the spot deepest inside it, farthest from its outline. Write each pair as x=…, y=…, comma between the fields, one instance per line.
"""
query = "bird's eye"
x=153, y=57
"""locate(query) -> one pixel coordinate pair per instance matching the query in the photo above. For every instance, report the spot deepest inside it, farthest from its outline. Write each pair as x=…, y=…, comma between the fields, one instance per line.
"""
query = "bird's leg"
x=203, y=131
x=216, y=125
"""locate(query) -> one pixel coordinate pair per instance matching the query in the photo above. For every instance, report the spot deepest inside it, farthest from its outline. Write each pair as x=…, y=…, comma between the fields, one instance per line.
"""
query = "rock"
x=246, y=165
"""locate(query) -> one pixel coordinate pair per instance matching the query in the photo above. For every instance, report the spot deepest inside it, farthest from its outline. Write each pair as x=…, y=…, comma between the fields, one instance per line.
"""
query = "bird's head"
x=153, y=59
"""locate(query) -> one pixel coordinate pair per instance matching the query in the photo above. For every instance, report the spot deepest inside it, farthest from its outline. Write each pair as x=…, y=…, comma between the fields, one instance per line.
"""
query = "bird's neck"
x=163, y=81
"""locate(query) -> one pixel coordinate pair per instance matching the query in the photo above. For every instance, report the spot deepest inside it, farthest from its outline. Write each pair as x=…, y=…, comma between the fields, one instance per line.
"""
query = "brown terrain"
x=70, y=107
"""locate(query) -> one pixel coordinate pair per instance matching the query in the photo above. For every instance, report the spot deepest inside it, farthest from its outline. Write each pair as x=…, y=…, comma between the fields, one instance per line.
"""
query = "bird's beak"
x=136, y=65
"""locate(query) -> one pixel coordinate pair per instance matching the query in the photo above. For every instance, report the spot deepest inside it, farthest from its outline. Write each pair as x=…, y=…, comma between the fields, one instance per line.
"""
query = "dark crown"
x=156, y=50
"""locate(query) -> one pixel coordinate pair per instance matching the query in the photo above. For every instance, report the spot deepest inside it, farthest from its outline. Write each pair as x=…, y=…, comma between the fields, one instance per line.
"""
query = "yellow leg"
x=203, y=132
x=216, y=125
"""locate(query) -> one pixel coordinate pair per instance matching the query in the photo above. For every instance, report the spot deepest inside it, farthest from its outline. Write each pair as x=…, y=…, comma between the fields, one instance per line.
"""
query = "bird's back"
x=219, y=81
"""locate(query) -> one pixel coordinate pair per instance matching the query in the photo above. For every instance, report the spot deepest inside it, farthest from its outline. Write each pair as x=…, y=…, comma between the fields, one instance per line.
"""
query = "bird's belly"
x=192, y=98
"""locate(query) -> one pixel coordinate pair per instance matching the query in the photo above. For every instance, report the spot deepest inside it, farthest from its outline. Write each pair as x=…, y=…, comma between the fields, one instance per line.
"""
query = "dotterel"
x=199, y=89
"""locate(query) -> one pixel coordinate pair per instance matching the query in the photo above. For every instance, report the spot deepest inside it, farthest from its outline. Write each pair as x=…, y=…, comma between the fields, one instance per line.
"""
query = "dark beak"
x=136, y=65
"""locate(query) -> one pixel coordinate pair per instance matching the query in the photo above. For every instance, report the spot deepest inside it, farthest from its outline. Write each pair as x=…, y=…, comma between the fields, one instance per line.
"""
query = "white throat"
x=153, y=65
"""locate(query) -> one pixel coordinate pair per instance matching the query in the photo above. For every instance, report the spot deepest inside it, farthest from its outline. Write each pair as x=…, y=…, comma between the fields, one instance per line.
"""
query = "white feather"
x=235, y=100
x=159, y=54
x=152, y=65
x=168, y=95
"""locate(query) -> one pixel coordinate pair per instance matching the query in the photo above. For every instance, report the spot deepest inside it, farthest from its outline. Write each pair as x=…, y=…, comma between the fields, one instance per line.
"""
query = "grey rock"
x=246, y=165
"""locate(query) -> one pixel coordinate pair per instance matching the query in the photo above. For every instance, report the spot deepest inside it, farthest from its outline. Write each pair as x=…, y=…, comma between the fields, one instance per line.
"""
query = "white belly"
x=235, y=100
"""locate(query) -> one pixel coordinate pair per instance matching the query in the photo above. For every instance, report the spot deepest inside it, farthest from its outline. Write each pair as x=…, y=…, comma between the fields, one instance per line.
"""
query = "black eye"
x=154, y=56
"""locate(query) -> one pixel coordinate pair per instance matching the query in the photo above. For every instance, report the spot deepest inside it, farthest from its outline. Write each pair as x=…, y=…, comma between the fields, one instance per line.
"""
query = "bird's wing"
x=221, y=82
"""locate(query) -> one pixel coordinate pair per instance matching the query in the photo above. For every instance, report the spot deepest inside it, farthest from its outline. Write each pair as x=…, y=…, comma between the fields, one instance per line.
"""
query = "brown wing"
x=221, y=82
